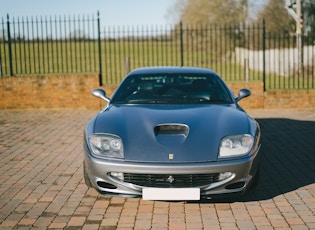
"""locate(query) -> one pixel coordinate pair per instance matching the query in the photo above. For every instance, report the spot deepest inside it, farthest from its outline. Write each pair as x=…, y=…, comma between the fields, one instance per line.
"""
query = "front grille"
x=171, y=180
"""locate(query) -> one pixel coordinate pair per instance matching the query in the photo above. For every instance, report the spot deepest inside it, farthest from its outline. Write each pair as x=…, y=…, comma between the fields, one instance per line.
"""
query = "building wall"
x=58, y=92
x=299, y=99
x=74, y=92
x=283, y=62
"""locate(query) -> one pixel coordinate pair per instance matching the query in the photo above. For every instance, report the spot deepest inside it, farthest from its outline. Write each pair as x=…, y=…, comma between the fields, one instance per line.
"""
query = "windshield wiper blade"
x=219, y=101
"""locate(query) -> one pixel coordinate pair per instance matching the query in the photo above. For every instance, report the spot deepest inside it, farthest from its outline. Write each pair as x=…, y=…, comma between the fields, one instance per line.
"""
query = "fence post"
x=246, y=69
x=181, y=44
x=9, y=46
x=127, y=66
x=264, y=54
x=99, y=49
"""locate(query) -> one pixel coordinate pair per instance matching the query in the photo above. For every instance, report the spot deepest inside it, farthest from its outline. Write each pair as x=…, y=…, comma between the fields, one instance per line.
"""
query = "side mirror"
x=242, y=94
x=100, y=93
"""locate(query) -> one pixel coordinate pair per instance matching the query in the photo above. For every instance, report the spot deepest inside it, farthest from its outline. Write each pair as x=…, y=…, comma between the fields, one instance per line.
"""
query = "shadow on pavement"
x=288, y=158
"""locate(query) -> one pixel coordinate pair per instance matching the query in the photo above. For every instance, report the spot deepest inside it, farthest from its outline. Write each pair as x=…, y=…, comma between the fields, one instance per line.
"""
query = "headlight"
x=237, y=145
x=107, y=145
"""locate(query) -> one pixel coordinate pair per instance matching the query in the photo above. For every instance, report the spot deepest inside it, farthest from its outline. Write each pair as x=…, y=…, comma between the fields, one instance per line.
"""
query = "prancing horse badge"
x=170, y=156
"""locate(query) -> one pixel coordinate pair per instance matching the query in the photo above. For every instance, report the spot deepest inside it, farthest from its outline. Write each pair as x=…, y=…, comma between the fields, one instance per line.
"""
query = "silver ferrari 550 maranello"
x=171, y=133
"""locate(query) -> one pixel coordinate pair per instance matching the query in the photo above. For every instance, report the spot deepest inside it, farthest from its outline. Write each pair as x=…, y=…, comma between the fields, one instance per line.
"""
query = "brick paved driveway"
x=41, y=183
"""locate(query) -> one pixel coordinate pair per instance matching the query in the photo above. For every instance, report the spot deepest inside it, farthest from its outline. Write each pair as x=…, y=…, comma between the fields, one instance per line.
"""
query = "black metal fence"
x=48, y=45
x=78, y=44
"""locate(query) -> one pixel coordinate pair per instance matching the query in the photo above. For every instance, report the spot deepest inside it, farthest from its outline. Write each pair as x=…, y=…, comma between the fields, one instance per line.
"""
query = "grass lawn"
x=118, y=57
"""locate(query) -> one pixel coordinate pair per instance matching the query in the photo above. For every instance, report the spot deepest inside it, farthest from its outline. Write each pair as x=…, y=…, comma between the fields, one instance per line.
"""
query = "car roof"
x=172, y=69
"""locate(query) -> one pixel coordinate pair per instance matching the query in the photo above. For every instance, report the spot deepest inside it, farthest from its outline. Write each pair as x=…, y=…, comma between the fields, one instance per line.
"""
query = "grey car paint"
x=207, y=125
x=191, y=149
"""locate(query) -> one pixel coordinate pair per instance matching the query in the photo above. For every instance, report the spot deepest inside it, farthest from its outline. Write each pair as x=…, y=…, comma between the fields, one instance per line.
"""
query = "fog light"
x=236, y=185
x=223, y=176
x=117, y=175
x=106, y=185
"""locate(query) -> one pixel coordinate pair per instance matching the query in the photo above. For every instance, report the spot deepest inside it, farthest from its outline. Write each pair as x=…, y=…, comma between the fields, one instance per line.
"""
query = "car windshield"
x=172, y=89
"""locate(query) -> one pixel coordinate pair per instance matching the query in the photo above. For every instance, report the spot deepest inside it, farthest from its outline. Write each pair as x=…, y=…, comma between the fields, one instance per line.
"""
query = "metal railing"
x=206, y=46
x=78, y=44
x=49, y=45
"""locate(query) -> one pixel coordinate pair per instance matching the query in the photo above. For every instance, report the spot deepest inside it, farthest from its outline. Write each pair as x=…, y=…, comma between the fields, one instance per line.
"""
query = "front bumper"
x=105, y=176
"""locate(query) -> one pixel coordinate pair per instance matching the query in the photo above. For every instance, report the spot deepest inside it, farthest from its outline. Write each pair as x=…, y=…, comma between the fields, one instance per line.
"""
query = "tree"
x=276, y=17
x=212, y=11
x=309, y=17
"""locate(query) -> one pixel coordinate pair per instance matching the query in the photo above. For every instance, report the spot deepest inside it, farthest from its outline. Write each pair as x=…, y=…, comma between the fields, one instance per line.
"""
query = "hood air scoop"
x=171, y=129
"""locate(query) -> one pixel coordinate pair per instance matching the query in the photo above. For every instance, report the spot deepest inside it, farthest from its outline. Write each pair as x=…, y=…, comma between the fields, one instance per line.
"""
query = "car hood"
x=171, y=133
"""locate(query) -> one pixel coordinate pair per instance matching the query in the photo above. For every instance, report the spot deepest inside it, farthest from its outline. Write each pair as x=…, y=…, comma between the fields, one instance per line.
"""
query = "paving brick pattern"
x=41, y=181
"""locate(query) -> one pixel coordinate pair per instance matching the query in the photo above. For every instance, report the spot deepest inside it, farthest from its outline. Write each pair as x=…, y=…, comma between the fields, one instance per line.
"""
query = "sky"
x=112, y=12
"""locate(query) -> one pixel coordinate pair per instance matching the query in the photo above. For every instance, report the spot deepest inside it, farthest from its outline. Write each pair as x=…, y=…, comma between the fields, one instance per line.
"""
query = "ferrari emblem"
x=170, y=179
x=170, y=156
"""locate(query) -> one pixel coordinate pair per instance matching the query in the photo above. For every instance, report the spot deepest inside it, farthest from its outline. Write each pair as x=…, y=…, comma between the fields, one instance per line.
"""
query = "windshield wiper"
x=220, y=101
